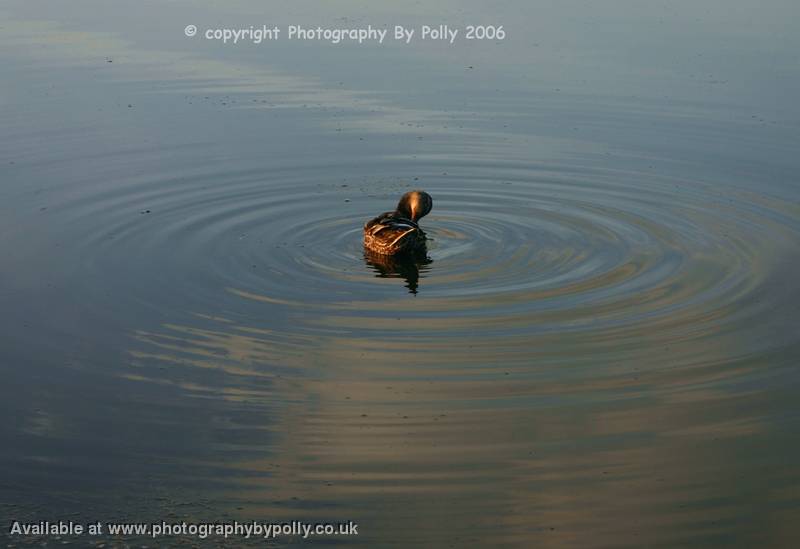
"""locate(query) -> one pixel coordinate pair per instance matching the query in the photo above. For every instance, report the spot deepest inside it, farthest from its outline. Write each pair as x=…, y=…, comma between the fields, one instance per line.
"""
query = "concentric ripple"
x=557, y=307
x=516, y=251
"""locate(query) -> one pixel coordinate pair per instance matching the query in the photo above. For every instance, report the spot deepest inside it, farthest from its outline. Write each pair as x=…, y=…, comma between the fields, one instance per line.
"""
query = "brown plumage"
x=397, y=232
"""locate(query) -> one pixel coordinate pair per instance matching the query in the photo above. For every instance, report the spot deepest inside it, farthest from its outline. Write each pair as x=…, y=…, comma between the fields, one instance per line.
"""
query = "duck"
x=398, y=232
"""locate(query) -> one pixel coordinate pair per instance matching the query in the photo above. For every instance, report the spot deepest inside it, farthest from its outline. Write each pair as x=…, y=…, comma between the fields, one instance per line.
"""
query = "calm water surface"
x=600, y=350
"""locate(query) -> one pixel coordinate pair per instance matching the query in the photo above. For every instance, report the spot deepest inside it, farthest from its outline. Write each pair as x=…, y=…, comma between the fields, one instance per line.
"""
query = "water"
x=600, y=349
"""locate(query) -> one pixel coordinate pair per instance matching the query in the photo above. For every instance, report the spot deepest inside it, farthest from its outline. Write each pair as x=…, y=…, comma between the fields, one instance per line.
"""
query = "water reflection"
x=407, y=266
x=439, y=428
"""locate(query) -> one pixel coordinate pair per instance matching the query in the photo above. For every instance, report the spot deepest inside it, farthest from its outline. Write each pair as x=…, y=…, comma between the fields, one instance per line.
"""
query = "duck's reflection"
x=407, y=266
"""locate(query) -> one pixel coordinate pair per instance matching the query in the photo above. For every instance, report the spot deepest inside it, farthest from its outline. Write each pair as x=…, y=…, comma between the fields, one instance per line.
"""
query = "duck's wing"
x=388, y=220
x=389, y=233
x=384, y=218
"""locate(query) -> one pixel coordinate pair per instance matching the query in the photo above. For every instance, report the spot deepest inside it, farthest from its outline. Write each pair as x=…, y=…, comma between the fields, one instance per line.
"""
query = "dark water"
x=600, y=350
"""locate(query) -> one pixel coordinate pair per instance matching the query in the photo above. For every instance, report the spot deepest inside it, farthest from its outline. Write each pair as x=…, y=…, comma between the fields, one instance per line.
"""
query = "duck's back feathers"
x=390, y=234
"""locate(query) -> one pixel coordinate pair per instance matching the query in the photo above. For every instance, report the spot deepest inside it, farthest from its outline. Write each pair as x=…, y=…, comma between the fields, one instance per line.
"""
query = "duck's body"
x=397, y=232
x=388, y=234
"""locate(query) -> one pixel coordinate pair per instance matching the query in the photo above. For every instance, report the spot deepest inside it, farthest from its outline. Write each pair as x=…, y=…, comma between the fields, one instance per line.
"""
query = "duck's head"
x=414, y=205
